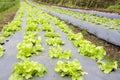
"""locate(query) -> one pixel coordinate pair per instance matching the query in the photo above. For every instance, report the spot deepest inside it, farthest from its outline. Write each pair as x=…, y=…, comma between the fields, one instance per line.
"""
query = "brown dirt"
x=113, y=51
x=8, y=17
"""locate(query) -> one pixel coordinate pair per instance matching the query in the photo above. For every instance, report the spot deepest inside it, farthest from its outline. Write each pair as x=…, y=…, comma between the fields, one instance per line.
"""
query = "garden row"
x=11, y=28
x=103, y=27
x=98, y=20
x=31, y=44
x=99, y=13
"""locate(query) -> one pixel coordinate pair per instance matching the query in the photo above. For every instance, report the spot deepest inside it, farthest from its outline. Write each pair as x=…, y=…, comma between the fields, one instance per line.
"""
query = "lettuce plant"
x=108, y=66
x=1, y=37
x=28, y=47
x=27, y=70
x=90, y=50
x=31, y=19
x=62, y=25
x=31, y=43
x=79, y=42
x=32, y=27
x=12, y=27
x=99, y=20
x=30, y=35
x=47, y=27
x=73, y=36
x=51, y=34
x=58, y=53
x=1, y=51
x=86, y=48
x=72, y=69
x=54, y=41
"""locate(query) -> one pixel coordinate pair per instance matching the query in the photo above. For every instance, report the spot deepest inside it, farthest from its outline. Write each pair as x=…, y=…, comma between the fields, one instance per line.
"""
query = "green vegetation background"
x=94, y=4
x=7, y=6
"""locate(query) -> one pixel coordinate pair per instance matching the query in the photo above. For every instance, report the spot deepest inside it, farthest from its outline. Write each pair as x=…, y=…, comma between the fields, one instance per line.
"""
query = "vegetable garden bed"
x=46, y=48
x=95, y=25
x=109, y=15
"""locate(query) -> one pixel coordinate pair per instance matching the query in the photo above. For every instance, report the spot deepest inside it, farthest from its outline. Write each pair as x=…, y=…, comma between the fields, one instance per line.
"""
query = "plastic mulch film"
x=105, y=14
x=112, y=36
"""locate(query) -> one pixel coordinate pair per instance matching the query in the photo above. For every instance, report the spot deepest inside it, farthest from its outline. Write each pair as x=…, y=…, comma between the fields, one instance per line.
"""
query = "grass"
x=3, y=13
x=114, y=8
x=6, y=4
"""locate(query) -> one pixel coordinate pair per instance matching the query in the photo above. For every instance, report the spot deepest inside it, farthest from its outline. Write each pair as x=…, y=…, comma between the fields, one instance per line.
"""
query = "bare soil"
x=8, y=17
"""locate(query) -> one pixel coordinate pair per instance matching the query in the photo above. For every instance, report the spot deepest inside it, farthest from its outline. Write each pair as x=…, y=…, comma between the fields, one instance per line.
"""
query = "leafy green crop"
x=31, y=19
x=99, y=20
x=54, y=41
x=1, y=51
x=80, y=41
x=32, y=27
x=86, y=47
x=62, y=25
x=13, y=26
x=51, y=34
x=73, y=36
x=47, y=27
x=31, y=43
x=27, y=70
x=96, y=53
x=1, y=37
x=72, y=69
x=28, y=47
x=108, y=66
x=10, y=28
x=58, y=53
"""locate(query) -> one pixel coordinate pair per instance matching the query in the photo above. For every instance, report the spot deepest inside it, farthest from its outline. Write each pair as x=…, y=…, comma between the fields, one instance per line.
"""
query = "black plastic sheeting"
x=109, y=35
x=112, y=36
x=88, y=65
x=9, y=58
x=105, y=14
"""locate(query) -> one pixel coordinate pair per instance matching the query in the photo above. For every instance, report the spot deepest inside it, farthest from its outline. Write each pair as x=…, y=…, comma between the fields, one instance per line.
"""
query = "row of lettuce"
x=93, y=18
x=70, y=68
x=86, y=48
x=11, y=28
x=32, y=44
